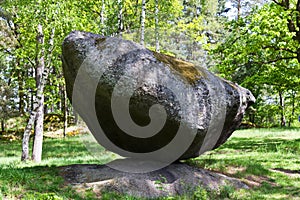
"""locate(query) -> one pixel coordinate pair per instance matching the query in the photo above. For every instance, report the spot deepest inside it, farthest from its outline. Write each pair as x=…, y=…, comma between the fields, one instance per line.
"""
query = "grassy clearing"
x=267, y=159
x=31, y=181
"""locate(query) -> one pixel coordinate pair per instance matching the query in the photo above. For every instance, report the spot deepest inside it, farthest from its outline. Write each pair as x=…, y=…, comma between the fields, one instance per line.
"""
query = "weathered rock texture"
x=210, y=108
x=176, y=179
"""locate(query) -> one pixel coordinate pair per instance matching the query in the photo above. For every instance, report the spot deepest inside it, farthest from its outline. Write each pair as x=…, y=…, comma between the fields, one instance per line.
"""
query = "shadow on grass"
x=37, y=182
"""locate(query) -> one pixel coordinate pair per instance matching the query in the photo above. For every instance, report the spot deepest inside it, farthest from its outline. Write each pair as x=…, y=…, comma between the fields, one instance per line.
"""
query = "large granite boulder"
x=147, y=105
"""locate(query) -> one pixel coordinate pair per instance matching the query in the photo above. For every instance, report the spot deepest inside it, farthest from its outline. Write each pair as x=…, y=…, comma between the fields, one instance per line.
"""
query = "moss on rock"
x=185, y=69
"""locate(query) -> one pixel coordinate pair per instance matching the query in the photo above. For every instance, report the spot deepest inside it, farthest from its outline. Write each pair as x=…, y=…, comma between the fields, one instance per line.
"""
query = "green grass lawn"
x=267, y=159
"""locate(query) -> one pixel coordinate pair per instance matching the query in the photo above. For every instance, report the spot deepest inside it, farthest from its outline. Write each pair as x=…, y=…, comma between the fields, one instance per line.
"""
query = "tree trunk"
x=102, y=18
x=157, y=47
x=26, y=137
x=143, y=19
x=59, y=104
x=46, y=107
x=21, y=91
x=39, y=119
x=2, y=125
x=238, y=9
x=65, y=111
x=282, y=109
x=75, y=117
x=30, y=123
x=120, y=18
x=251, y=117
x=293, y=108
x=31, y=91
x=38, y=100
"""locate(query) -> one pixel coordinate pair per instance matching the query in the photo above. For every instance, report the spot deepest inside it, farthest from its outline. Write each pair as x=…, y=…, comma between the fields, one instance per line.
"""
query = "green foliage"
x=261, y=54
x=159, y=183
x=200, y=194
x=42, y=196
x=59, y=16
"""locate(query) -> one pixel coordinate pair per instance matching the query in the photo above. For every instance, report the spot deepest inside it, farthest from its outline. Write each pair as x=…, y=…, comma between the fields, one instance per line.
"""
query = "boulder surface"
x=143, y=104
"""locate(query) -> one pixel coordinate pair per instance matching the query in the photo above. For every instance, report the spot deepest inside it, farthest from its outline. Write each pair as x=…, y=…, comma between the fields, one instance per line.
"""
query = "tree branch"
x=268, y=62
x=31, y=62
x=5, y=15
x=234, y=41
x=51, y=48
x=278, y=3
x=279, y=49
x=275, y=60
x=298, y=20
x=7, y=51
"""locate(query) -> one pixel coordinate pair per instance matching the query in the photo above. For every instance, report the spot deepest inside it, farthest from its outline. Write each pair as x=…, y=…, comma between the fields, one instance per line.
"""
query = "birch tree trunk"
x=293, y=108
x=120, y=18
x=21, y=91
x=39, y=118
x=75, y=117
x=31, y=91
x=239, y=9
x=282, y=109
x=39, y=98
x=65, y=111
x=157, y=47
x=143, y=19
x=102, y=18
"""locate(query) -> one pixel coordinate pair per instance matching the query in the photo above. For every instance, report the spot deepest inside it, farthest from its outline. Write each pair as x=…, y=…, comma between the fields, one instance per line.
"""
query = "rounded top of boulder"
x=84, y=40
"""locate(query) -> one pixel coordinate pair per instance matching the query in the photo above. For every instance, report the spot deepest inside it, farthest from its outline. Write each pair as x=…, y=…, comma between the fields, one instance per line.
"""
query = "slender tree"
x=39, y=117
x=282, y=109
x=102, y=17
x=120, y=17
x=65, y=111
x=157, y=47
x=143, y=20
x=238, y=9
